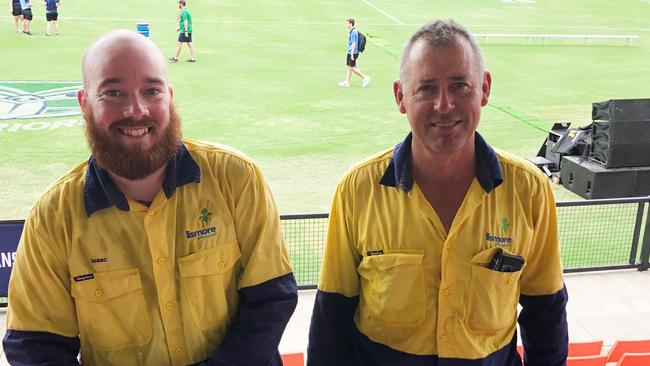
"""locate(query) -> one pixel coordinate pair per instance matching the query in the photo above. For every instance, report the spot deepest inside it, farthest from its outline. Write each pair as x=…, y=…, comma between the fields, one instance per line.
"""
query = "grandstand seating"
x=581, y=349
x=586, y=354
x=634, y=359
x=293, y=359
x=622, y=353
x=587, y=361
x=621, y=347
x=577, y=349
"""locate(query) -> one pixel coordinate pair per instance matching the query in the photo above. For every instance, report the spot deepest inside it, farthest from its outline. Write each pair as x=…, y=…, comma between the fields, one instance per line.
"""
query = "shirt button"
x=445, y=292
x=98, y=293
x=445, y=338
x=169, y=305
x=179, y=351
x=510, y=281
x=447, y=245
x=160, y=261
x=222, y=265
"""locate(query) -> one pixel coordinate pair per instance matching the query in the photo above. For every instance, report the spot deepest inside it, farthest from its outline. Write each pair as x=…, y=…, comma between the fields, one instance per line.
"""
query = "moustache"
x=144, y=122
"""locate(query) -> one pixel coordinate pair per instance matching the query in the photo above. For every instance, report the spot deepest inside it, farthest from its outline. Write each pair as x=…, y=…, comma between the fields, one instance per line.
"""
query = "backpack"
x=362, y=42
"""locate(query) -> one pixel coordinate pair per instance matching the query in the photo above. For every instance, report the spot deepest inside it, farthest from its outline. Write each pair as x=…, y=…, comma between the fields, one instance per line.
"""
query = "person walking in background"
x=158, y=250
x=52, y=15
x=352, y=57
x=26, y=6
x=184, y=32
x=432, y=244
x=17, y=13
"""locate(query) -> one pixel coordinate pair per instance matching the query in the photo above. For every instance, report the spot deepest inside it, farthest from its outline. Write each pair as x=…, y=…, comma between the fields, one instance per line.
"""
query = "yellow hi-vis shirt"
x=153, y=285
x=423, y=290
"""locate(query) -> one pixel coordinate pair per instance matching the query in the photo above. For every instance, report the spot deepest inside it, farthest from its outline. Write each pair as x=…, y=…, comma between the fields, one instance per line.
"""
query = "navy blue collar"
x=100, y=191
x=398, y=173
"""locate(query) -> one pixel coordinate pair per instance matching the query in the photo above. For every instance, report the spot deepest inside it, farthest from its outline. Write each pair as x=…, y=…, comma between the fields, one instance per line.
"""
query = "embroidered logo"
x=98, y=260
x=504, y=239
x=505, y=225
x=205, y=217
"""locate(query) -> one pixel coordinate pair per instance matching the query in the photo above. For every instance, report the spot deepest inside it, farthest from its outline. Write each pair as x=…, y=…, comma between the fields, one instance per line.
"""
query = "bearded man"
x=156, y=251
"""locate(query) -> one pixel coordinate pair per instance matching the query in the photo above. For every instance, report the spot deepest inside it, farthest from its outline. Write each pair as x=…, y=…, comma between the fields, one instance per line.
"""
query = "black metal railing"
x=604, y=234
x=595, y=235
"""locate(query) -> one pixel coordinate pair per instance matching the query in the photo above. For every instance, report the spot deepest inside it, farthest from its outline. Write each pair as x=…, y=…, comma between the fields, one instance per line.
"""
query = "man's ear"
x=485, y=88
x=81, y=98
x=399, y=96
x=171, y=91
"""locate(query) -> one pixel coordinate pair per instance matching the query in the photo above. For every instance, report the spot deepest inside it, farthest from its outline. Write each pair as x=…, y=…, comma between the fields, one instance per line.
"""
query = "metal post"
x=637, y=230
x=645, y=247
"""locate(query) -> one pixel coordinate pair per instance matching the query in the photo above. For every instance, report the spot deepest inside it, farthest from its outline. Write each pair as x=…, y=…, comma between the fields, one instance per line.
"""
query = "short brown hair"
x=351, y=21
x=442, y=33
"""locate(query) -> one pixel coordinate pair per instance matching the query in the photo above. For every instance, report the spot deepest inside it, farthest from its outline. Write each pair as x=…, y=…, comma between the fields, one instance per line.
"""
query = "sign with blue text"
x=10, y=232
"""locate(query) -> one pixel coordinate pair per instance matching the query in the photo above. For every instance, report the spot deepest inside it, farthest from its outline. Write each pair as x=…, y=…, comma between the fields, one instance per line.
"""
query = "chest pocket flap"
x=112, y=310
x=392, y=289
x=107, y=285
x=493, y=296
x=209, y=285
x=213, y=261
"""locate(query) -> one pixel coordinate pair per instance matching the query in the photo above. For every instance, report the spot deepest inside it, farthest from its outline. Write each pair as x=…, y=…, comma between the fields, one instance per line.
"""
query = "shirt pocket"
x=208, y=284
x=392, y=289
x=493, y=296
x=112, y=310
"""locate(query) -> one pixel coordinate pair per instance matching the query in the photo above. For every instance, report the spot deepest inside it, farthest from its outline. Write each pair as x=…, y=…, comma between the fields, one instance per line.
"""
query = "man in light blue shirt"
x=352, y=56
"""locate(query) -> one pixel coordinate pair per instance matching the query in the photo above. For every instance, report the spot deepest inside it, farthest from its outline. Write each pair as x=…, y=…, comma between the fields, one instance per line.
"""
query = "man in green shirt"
x=184, y=32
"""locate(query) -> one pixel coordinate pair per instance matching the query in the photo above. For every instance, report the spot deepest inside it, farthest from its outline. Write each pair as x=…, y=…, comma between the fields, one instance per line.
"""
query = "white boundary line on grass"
x=383, y=12
x=219, y=21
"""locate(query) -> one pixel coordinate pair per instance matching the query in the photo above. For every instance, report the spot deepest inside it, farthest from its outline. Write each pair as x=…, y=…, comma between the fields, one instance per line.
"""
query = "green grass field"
x=265, y=80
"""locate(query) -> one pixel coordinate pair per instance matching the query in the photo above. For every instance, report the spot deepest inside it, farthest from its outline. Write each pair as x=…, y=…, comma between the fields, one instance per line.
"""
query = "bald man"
x=156, y=251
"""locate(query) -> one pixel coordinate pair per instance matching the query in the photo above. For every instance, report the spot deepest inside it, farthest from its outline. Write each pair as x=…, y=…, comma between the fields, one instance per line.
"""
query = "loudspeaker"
x=621, y=133
x=619, y=155
x=592, y=180
x=621, y=110
x=630, y=132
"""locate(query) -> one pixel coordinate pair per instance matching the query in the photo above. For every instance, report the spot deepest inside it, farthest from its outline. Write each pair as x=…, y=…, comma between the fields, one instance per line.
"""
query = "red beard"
x=134, y=163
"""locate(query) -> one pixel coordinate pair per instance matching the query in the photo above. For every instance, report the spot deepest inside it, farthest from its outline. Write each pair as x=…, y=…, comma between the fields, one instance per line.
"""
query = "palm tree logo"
x=205, y=217
x=505, y=225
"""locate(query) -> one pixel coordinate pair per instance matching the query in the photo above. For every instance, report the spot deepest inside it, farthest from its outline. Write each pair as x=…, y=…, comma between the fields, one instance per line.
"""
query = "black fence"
x=594, y=235
x=304, y=236
x=604, y=234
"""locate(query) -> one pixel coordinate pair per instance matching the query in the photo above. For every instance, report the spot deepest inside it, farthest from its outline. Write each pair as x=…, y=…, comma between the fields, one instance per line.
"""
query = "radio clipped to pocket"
x=505, y=262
